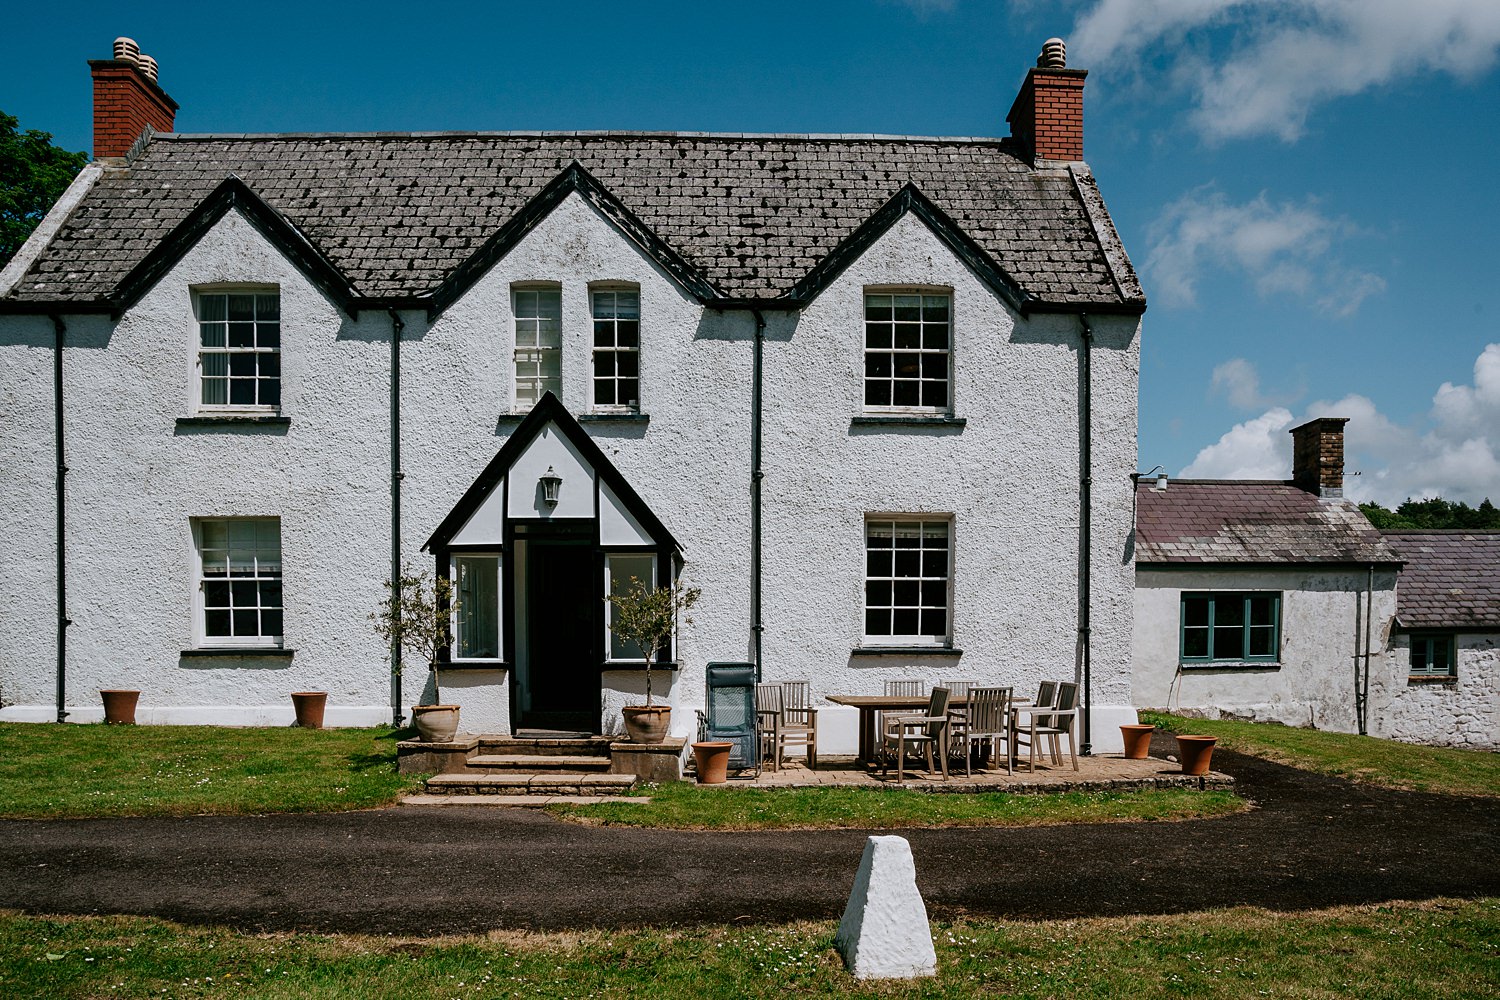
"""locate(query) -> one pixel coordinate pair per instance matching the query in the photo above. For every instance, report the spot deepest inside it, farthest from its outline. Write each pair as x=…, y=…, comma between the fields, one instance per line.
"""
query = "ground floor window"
x=1432, y=654
x=1231, y=627
x=239, y=581
x=476, y=586
x=620, y=568
x=906, y=580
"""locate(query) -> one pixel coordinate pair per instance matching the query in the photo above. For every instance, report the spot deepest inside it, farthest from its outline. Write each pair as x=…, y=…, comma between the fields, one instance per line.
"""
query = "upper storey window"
x=907, y=338
x=239, y=349
x=617, y=348
x=538, y=313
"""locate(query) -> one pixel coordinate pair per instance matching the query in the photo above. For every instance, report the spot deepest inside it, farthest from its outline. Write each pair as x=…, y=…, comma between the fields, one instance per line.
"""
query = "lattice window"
x=538, y=351
x=907, y=337
x=239, y=352
x=906, y=580
x=617, y=348
x=240, y=580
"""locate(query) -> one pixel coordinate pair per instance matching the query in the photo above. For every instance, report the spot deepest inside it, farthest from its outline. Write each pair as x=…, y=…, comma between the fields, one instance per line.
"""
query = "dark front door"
x=562, y=602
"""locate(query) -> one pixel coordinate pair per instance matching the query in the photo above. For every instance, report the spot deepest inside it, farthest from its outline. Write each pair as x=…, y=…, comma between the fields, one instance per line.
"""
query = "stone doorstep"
x=510, y=745
x=524, y=784
x=538, y=764
x=516, y=801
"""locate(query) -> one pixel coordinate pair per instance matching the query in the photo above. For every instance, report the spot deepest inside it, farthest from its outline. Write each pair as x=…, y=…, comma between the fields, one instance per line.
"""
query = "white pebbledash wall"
x=1008, y=478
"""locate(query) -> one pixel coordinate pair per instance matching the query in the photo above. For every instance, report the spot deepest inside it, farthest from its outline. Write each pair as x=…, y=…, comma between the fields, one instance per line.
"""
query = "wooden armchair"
x=929, y=731
x=1051, y=723
x=798, y=726
x=987, y=726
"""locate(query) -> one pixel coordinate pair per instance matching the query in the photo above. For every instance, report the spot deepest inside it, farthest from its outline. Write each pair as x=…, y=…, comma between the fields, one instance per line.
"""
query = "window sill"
x=905, y=651
x=621, y=418
x=473, y=665
x=1232, y=665
x=1440, y=679
x=637, y=665
x=234, y=419
x=239, y=651
x=907, y=420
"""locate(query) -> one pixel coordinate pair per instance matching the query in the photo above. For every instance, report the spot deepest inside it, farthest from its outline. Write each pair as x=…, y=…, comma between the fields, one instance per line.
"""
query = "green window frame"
x=1433, y=654
x=1238, y=627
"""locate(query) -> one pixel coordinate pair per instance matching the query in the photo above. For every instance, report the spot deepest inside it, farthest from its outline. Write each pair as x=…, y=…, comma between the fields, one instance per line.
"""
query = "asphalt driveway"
x=1310, y=842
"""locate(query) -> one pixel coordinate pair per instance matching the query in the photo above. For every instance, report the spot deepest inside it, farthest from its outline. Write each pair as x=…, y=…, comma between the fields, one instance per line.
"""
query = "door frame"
x=579, y=532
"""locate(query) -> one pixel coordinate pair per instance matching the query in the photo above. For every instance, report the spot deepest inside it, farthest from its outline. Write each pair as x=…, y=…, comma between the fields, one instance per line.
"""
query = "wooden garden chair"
x=798, y=725
x=988, y=725
x=930, y=732
x=768, y=722
x=1052, y=724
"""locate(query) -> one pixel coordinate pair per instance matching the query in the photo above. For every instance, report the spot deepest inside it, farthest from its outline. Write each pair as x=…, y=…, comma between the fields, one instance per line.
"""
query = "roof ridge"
x=585, y=134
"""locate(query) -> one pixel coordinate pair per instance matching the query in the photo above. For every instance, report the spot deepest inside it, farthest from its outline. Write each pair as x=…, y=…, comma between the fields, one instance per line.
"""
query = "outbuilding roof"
x=1451, y=579
x=397, y=215
x=1244, y=521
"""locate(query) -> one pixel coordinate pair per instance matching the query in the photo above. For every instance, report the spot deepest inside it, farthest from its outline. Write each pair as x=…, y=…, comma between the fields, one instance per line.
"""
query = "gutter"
x=1085, y=519
x=60, y=329
x=396, y=476
x=757, y=627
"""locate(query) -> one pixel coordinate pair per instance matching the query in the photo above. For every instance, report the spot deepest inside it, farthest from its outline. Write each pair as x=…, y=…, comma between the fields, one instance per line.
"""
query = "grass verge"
x=1360, y=758
x=1440, y=949
x=685, y=806
x=96, y=770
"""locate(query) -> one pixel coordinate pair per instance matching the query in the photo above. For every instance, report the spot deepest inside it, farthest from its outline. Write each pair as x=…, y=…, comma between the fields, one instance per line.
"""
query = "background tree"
x=33, y=174
x=1434, y=513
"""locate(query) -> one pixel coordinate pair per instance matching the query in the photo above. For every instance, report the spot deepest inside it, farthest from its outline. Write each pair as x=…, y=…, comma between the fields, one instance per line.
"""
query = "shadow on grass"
x=383, y=759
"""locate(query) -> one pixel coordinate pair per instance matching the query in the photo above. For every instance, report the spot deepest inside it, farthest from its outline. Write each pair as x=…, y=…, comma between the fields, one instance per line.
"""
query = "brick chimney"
x=1047, y=118
x=127, y=100
x=1318, y=456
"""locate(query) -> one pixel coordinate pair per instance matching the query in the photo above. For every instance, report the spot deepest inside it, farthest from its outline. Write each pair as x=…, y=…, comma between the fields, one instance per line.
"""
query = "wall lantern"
x=551, y=484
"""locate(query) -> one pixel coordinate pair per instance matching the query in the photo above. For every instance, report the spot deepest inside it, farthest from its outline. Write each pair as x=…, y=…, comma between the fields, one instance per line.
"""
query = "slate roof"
x=1451, y=579
x=1242, y=521
x=397, y=213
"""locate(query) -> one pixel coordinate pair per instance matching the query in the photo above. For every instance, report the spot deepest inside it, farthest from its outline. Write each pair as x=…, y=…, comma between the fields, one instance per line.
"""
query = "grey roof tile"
x=753, y=213
x=1451, y=579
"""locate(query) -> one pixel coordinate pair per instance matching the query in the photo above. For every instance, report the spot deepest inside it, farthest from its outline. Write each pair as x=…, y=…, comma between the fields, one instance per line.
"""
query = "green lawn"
x=1441, y=949
x=685, y=806
x=98, y=770
x=1361, y=758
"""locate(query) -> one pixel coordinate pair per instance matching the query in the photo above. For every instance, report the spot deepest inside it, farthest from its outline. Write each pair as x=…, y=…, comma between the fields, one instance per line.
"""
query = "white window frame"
x=607, y=288
x=609, y=607
x=201, y=350
x=539, y=380
x=916, y=640
x=868, y=352
x=200, y=527
x=453, y=558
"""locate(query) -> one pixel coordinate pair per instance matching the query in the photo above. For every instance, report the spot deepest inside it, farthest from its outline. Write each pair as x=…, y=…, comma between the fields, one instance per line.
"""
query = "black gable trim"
x=549, y=408
x=573, y=178
x=909, y=199
x=234, y=193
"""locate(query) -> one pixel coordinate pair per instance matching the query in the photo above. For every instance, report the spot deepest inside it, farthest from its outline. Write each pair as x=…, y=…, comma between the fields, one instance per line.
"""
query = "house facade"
x=1280, y=602
x=875, y=396
x=1446, y=638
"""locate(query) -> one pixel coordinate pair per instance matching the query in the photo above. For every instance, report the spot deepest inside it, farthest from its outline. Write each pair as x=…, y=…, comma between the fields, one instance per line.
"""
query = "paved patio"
x=1104, y=772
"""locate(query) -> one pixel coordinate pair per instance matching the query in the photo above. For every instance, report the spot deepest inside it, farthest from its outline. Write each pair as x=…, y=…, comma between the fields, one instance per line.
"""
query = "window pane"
x=212, y=307
x=935, y=308
x=1195, y=611
x=877, y=394
x=216, y=593
x=906, y=621
x=1195, y=641
x=878, y=593
x=1442, y=660
x=1262, y=641
x=270, y=622
x=549, y=304
x=878, y=335
x=268, y=335
x=624, y=569
x=216, y=623
x=905, y=394
x=934, y=622
x=628, y=305
x=908, y=307
x=242, y=392
x=270, y=593
x=604, y=391
x=628, y=333
x=604, y=333
x=908, y=563
x=1262, y=610
x=935, y=394
x=240, y=365
x=1229, y=642
x=241, y=306
x=211, y=334
x=906, y=593
x=268, y=307
x=878, y=307
x=246, y=622
x=877, y=622
x=908, y=335
x=878, y=563
x=1229, y=610
x=478, y=591
x=215, y=391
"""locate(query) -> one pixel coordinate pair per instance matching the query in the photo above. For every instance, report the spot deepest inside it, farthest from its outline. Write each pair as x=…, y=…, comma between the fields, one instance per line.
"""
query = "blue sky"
x=1303, y=184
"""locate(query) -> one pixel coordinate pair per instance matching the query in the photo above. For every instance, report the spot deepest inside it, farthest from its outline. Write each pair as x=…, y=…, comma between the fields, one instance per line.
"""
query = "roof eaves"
x=50, y=226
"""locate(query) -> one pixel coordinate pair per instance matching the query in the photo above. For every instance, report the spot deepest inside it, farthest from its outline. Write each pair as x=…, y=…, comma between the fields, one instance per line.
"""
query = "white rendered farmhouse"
x=875, y=396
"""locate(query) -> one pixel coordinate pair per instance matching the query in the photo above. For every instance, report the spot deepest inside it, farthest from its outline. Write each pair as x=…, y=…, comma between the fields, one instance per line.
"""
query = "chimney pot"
x=126, y=50
x=148, y=67
x=1318, y=456
x=1054, y=54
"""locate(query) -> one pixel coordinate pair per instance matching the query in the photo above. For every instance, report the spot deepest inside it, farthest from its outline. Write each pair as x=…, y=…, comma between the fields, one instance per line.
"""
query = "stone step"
x=521, y=801
x=529, y=784
x=537, y=763
x=544, y=747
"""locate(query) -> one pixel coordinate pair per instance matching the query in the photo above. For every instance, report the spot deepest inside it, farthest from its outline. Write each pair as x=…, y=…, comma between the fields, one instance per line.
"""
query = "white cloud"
x=1452, y=452
x=1283, y=248
x=1283, y=58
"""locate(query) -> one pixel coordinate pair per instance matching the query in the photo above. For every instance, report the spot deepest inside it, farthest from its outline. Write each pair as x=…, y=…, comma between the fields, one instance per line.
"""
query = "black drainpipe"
x=756, y=626
x=1085, y=526
x=396, y=476
x=60, y=329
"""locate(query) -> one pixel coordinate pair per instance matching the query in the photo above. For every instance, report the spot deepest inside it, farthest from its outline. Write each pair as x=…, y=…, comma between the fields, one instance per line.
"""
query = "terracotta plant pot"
x=119, y=706
x=1137, y=741
x=1195, y=752
x=712, y=757
x=309, y=706
x=435, y=723
x=647, y=724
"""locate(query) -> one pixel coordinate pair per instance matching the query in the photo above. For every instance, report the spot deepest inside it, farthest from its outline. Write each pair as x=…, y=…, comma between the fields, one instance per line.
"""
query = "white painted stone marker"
x=884, y=932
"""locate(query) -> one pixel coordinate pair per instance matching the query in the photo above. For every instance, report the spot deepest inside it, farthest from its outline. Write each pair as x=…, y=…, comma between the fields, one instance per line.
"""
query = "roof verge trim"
x=234, y=193
x=573, y=179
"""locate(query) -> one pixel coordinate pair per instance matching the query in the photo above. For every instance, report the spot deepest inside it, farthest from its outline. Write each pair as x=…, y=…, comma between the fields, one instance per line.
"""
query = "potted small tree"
x=417, y=613
x=646, y=617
